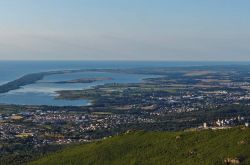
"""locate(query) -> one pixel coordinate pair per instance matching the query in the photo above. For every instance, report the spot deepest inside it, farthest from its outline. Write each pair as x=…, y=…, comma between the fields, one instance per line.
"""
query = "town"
x=197, y=98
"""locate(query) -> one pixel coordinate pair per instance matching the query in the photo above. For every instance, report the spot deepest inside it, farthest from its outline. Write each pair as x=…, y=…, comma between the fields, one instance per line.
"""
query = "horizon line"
x=115, y=60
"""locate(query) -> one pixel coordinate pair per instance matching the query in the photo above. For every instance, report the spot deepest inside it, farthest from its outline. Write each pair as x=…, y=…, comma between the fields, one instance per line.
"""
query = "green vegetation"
x=23, y=151
x=199, y=147
x=31, y=79
x=25, y=80
x=85, y=80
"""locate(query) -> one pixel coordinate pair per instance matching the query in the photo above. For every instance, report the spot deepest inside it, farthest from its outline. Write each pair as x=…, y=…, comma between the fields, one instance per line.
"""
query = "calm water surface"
x=43, y=92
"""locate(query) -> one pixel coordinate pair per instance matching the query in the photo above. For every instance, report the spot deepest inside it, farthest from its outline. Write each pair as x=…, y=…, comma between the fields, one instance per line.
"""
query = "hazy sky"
x=125, y=30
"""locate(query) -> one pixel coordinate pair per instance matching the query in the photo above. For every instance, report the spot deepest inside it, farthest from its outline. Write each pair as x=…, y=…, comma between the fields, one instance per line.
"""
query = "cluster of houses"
x=226, y=123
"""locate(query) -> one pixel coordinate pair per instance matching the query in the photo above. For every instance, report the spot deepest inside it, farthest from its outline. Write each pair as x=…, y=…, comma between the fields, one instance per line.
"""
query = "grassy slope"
x=202, y=147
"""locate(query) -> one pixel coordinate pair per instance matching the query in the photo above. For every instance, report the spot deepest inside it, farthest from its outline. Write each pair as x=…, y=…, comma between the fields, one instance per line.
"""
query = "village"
x=168, y=103
x=61, y=126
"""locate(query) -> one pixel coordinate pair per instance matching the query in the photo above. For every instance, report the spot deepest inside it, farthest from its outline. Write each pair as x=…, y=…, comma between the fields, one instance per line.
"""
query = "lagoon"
x=43, y=92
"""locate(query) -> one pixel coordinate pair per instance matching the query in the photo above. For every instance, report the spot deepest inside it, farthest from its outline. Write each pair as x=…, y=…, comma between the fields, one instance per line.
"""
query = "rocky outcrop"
x=232, y=161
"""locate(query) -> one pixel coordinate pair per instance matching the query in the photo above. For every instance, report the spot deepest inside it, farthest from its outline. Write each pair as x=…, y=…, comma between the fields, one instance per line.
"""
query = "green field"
x=199, y=147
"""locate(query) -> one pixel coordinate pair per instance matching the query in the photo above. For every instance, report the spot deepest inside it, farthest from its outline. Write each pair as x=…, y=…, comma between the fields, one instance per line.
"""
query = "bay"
x=43, y=91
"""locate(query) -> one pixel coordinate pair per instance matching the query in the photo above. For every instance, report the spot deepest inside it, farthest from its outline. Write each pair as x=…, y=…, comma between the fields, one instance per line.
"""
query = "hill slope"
x=201, y=147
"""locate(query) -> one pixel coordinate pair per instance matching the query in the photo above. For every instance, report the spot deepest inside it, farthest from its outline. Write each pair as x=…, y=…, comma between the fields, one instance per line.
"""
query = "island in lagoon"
x=85, y=80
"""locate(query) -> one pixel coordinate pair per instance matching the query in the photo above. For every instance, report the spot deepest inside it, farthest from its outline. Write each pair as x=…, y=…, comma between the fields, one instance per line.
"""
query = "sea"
x=43, y=92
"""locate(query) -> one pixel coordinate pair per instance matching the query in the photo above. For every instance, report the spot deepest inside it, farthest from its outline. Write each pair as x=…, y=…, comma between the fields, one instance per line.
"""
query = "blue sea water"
x=43, y=92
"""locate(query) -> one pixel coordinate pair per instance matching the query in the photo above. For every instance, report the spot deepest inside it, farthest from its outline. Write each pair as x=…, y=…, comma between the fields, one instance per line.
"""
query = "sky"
x=186, y=30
